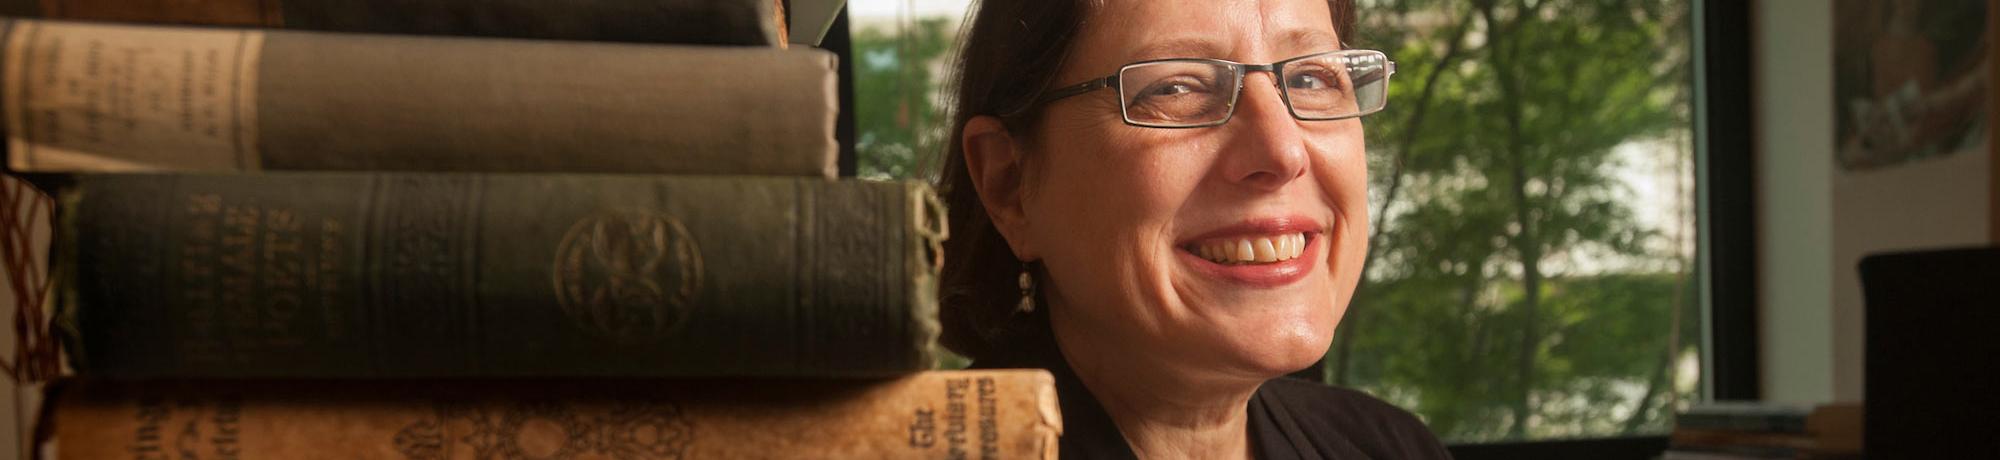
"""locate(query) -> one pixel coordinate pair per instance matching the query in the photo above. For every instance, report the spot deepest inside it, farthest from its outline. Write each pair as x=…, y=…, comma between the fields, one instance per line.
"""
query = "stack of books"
x=448, y=229
x=1756, y=430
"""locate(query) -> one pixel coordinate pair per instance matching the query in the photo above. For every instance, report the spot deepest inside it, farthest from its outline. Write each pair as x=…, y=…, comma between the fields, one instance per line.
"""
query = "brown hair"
x=1009, y=53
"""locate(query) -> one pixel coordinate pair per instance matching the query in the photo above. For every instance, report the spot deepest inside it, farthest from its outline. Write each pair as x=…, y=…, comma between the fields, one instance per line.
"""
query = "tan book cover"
x=945, y=414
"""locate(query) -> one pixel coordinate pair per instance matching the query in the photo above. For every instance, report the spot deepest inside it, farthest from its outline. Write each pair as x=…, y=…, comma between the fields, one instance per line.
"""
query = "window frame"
x=1724, y=132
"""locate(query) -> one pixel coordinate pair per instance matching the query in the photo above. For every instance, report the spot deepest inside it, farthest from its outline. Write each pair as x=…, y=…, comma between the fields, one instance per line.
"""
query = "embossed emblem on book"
x=627, y=276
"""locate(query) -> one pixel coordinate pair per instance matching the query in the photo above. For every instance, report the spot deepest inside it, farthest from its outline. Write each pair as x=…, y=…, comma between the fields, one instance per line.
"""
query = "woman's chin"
x=1284, y=348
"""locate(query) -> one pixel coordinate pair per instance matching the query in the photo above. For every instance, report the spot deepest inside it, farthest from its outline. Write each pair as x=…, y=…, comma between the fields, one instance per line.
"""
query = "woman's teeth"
x=1259, y=250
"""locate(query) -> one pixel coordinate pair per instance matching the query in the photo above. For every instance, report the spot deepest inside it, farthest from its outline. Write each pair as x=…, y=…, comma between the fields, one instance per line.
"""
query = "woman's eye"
x=1175, y=99
x=1308, y=81
x=1169, y=90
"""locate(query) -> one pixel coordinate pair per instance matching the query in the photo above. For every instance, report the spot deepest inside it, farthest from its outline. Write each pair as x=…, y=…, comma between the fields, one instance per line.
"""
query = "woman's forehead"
x=1245, y=30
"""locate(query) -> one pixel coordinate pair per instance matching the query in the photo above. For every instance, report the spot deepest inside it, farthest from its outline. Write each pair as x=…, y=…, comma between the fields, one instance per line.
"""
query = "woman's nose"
x=1266, y=149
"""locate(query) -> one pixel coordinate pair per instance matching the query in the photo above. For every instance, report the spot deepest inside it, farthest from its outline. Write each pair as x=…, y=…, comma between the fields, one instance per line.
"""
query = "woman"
x=1166, y=244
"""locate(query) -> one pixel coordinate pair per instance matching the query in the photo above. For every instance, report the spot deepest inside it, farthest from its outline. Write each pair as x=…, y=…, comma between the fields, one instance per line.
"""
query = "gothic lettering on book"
x=984, y=391
x=198, y=246
x=424, y=242
x=533, y=430
x=954, y=416
x=989, y=418
x=325, y=277
x=248, y=273
x=168, y=428
x=627, y=276
x=923, y=427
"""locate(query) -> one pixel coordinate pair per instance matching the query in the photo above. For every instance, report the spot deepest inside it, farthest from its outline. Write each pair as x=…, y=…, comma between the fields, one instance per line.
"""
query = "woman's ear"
x=995, y=163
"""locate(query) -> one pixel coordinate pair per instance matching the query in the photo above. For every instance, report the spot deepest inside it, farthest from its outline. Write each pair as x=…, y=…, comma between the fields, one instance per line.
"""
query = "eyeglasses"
x=1194, y=93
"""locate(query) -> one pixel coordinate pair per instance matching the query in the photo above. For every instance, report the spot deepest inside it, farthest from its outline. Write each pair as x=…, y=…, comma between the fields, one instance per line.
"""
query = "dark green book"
x=349, y=275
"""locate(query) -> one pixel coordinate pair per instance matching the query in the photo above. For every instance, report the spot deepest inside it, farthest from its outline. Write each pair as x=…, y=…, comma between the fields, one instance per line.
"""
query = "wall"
x=1930, y=204
x=1793, y=98
x=1817, y=221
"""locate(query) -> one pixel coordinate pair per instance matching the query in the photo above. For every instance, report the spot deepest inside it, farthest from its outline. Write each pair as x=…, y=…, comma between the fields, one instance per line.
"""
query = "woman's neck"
x=1163, y=412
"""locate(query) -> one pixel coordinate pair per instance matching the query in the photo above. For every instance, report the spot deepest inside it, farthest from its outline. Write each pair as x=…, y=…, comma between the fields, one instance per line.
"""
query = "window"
x=1531, y=270
x=1534, y=271
x=899, y=58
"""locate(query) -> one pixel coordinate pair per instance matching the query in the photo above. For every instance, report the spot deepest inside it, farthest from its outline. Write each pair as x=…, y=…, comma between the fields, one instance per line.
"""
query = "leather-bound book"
x=351, y=275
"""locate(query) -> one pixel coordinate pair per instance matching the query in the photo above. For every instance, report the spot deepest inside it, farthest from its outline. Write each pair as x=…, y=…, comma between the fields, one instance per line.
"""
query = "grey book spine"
x=88, y=97
x=343, y=275
x=710, y=22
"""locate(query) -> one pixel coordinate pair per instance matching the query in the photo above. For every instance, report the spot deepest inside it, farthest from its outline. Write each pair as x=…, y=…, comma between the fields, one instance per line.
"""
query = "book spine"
x=708, y=22
x=1697, y=438
x=344, y=275
x=88, y=97
x=949, y=414
x=1773, y=423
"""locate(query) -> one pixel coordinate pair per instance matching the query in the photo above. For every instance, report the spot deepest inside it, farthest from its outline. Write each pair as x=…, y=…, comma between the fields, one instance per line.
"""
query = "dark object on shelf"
x=1931, y=349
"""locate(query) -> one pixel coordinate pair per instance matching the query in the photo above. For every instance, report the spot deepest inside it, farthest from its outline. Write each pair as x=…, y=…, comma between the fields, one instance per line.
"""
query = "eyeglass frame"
x=1242, y=72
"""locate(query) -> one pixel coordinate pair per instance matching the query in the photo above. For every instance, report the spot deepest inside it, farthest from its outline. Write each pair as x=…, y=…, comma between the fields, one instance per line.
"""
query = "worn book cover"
x=354, y=275
x=996, y=414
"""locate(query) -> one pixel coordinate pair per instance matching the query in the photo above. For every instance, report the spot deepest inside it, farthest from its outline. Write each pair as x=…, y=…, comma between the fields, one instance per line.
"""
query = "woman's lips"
x=1261, y=253
x=1251, y=249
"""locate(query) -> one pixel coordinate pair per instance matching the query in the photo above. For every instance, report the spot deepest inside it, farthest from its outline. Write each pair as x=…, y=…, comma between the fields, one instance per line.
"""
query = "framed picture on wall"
x=1910, y=81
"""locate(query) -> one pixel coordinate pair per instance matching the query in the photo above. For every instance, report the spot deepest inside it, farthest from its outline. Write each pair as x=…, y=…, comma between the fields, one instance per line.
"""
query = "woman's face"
x=1122, y=217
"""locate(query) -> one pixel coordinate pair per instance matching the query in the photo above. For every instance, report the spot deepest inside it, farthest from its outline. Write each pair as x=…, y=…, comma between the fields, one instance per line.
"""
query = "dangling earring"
x=1027, y=283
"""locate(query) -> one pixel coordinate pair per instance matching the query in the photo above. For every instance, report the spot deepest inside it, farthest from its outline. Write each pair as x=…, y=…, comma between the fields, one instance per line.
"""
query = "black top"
x=1289, y=418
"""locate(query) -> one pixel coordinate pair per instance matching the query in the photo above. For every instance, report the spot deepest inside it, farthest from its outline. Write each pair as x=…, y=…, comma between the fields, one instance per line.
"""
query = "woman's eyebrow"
x=1300, y=40
x=1179, y=47
x=1308, y=39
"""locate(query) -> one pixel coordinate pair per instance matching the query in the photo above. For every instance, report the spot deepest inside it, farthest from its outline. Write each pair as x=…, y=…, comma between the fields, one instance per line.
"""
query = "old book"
x=1729, y=454
x=86, y=97
x=1700, y=438
x=1745, y=416
x=711, y=22
x=348, y=275
x=1837, y=427
x=947, y=414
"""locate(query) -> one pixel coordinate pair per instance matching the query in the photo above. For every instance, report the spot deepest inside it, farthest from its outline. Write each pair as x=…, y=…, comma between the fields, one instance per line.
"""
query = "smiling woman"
x=1180, y=194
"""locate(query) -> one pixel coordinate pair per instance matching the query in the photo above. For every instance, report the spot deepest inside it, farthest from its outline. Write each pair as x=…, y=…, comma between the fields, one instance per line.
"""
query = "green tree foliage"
x=1511, y=292
x=896, y=115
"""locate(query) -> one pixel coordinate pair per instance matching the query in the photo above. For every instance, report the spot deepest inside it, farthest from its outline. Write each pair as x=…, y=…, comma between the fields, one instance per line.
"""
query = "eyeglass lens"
x=1199, y=92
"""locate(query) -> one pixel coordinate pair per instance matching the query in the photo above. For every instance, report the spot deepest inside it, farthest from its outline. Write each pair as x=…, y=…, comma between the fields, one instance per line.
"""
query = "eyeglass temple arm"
x=1371, y=77
x=1065, y=93
x=1079, y=88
